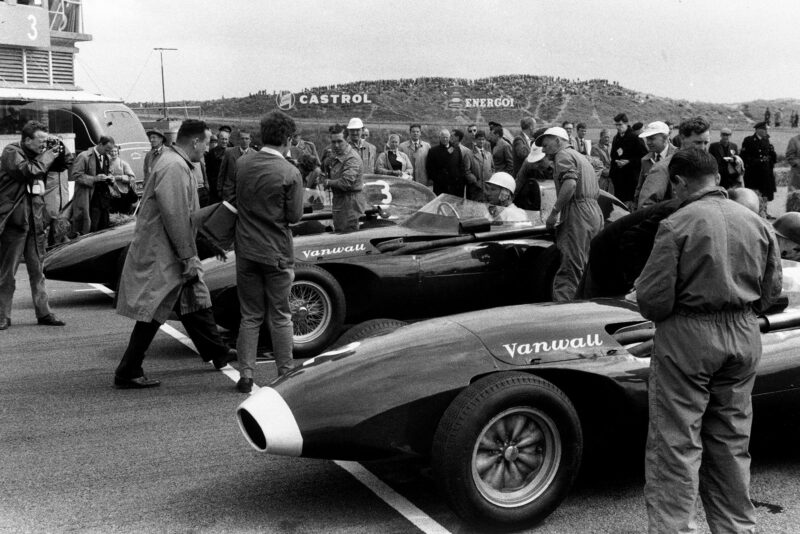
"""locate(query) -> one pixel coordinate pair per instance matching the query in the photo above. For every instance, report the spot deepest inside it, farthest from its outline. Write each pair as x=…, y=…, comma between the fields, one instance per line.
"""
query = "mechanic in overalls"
x=576, y=216
x=343, y=168
x=715, y=264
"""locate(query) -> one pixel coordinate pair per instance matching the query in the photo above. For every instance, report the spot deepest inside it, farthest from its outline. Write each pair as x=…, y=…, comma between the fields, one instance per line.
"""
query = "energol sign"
x=502, y=102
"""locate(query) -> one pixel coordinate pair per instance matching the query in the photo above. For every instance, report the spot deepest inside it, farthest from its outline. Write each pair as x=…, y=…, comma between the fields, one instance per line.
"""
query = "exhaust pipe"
x=269, y=425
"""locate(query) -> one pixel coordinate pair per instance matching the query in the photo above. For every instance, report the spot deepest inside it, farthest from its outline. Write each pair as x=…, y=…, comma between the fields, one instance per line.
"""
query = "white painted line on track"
x=407, y=509
x=382, y=490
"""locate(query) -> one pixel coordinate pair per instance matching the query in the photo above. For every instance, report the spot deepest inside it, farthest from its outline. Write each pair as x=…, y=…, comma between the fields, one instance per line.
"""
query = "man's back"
x=722, y=253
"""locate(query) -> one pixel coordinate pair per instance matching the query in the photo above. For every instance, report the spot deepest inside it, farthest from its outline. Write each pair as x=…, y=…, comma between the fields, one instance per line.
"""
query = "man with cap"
x=344, y=179
x=714, y=267
x=656, y=137
x=481, y=169
x=536, y=168
x=213, y=161
x=728, y=160
x=226, y=180
x=694, y=132
x=157, y=139
x=500, y=192
x=759, y=159
x=626, y=157
x=365, y=150
x=576, y=216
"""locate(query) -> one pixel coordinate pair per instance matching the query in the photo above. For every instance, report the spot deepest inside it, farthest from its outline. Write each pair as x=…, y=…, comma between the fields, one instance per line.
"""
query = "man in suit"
x=569, y=128
x=501, y=153
x=92, y=199
x=626, y=157
x=365, y=150
x=417, y=151
x=213, y=160
x=759, y=159
x=582, y=145
x=656, y=137
x=446, y=167
x=482, y=168
x=226, y=181
x=521, y=146
x=730, y=165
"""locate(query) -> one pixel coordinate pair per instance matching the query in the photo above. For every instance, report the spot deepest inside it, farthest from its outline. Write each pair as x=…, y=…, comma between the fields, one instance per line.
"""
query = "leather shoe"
x=226, y=358
x=245, y=385
x=5, y=322
x=136, y=383
x=50, y=320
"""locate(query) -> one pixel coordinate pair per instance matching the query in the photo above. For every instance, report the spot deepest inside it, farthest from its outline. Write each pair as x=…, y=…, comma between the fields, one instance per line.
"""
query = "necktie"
x=658, y=158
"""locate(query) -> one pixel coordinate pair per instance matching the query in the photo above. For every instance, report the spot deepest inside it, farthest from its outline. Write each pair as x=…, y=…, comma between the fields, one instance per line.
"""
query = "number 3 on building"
x=34, y=33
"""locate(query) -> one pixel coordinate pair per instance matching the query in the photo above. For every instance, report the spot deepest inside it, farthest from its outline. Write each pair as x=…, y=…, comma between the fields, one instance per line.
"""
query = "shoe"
x=5, y=322
x=228, y=357
x=136, y=383
x=50, y=320
x=245, y=385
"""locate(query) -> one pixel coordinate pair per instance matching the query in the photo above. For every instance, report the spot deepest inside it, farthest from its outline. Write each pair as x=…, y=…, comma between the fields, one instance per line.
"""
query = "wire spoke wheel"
x=516, y=456
x=312, y=310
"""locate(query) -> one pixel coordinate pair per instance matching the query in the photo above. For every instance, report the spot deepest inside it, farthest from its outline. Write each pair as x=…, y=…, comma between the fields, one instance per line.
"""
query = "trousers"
x=200, y=326
x=264, y=293
x=701, y=377
x=581, y=221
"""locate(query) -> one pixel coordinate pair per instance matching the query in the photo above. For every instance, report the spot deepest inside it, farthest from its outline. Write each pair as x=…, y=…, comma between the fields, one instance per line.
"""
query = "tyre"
x=371, y=328
x=318, y=310
x=507, y=450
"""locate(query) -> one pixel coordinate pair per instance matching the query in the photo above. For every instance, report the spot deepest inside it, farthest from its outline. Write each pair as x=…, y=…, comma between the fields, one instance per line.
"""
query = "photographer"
x=92, y=200
x=23, y=170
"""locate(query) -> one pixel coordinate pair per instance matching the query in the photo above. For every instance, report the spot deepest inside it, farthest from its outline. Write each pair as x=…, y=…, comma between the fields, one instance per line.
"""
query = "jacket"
x=368, y=154
x=151, y=282
x=446, y=170
x=226, y=181
x=417, y=156
x=383, y=167
x=84, y=174
x=502, y=157
x=18, y=169
x=521, y=147
x=759, y=159
x=793, y=159
x=647, y=164
x=711, y=255
x=270, y=199
x=719, y=151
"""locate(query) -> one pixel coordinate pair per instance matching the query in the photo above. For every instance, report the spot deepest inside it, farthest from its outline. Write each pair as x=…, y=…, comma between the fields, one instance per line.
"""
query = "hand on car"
x=552, y=220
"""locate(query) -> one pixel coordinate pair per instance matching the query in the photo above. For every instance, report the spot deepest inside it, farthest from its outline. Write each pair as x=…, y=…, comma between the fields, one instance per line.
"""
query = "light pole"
x=163, y=93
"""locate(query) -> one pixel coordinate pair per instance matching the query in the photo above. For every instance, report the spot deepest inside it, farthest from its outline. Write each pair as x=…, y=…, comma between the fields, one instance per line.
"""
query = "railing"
x=65, y=16
x=185, y=112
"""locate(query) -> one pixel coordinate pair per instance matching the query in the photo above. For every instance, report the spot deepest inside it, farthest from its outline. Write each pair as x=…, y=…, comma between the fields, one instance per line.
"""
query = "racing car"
x=506, y=403
x=452, y=255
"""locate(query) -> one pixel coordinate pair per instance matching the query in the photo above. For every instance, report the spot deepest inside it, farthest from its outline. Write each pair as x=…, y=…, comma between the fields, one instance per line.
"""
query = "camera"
x=54, y=142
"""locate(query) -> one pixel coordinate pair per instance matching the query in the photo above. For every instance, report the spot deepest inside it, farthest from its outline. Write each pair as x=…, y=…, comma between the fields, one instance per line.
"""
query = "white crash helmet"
x=504, y=180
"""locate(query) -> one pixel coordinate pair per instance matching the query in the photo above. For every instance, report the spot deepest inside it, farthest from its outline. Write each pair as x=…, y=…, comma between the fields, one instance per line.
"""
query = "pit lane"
x=78, y=455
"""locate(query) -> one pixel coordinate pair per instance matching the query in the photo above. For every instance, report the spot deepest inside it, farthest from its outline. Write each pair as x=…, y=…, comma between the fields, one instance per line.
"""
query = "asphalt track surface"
x=77, y=455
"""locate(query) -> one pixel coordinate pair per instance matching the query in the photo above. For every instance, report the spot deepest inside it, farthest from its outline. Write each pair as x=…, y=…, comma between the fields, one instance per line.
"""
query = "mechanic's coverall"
x=345, y=181
x=714, y=265
x=580, y=219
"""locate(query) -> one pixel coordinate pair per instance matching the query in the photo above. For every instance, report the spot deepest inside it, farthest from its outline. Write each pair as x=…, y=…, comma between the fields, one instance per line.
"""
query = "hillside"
x=459, y=101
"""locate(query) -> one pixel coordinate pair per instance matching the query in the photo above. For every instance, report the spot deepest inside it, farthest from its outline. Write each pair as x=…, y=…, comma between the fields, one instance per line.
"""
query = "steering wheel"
x=441, y=211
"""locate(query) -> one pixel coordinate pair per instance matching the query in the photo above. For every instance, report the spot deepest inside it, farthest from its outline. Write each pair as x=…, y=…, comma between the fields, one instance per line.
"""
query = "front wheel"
x=507, y=450
x=318, y=309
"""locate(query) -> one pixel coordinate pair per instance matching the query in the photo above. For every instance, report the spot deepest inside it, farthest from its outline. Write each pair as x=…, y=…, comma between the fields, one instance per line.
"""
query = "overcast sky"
x=717, y=51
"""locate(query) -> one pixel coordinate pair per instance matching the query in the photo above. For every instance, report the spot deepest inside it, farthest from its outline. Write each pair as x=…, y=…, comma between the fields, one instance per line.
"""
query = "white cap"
x=653, y=128
x=504, y=180
x=354, y=124
x=537, y=154
x=557, y=131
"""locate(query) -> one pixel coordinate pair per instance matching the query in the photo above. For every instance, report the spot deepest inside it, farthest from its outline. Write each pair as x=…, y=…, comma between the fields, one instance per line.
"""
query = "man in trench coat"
x=162, y=271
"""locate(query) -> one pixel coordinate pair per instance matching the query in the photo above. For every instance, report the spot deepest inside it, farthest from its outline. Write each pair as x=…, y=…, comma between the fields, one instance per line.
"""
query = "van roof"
x=13, y=93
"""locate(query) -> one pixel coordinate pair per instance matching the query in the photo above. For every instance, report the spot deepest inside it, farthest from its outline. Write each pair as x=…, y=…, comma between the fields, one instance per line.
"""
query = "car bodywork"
x=404, y=393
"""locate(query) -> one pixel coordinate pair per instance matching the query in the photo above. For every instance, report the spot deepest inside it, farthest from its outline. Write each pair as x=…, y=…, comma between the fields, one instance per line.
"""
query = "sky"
x=722, y=51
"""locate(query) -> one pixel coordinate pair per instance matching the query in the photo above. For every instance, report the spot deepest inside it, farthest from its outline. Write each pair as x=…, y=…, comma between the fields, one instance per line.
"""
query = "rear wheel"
x=507, y=450
x=318, y=310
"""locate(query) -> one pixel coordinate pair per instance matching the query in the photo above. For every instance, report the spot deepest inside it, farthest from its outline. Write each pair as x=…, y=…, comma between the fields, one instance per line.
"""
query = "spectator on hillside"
x=393, y=161
x=602, y=151
x=502, y=155
x=445, y=167
x=730, y=164
x=626, y=157
x=482, y=168
x=521, y=146
x=365, y=150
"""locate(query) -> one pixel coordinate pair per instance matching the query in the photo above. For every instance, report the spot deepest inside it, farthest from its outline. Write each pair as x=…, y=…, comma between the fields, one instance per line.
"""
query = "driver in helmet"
x=500, y=193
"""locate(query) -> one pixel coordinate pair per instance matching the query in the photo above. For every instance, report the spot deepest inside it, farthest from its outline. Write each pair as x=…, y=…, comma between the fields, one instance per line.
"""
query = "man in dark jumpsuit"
x=714, y=265
x=343, y=168
x=576, y=215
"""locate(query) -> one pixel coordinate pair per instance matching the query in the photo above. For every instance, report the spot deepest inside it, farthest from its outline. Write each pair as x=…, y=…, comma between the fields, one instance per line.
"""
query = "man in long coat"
x=162, y=271
x=759, y=159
